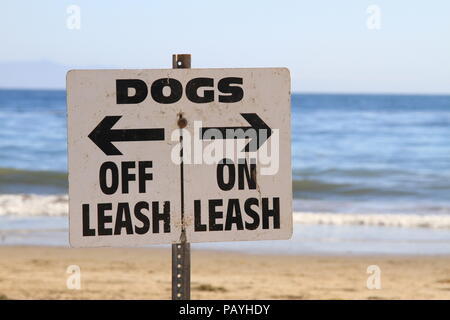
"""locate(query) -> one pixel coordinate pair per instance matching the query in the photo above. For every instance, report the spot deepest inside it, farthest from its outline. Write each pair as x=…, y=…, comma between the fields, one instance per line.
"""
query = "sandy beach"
x=40, y=273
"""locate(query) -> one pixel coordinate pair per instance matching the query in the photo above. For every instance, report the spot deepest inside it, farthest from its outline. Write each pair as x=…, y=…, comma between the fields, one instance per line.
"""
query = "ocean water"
x=380, y=162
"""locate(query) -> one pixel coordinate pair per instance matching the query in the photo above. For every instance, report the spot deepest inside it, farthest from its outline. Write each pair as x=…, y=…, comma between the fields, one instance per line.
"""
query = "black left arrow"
x=103, y=135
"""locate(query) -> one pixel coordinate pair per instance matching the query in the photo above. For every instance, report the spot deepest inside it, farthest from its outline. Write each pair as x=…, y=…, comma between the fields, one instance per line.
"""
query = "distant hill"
x=33, y=74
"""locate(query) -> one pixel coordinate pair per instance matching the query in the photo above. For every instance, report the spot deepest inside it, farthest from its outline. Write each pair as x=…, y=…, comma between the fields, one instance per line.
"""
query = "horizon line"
x=293, y=92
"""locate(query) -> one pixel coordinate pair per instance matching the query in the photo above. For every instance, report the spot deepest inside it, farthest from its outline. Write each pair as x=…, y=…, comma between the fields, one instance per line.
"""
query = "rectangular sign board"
x=152, y=152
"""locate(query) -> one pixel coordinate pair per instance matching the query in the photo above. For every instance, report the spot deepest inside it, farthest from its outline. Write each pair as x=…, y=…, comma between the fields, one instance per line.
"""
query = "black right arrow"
x=103, y=135
x=256, y=124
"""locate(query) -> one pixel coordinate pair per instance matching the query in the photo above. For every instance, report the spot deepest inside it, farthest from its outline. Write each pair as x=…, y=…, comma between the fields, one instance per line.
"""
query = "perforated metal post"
x=181, y=252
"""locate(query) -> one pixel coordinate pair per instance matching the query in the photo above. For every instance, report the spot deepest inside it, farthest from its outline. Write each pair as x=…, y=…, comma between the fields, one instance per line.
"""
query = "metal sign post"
x=181, y=252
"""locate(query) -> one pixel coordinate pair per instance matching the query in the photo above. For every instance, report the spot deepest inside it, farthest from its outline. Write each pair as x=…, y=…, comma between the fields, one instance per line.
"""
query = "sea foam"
x=367, y=219
x=25, y=205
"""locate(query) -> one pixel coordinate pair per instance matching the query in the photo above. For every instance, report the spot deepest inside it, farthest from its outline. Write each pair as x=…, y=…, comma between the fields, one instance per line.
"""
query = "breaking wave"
x=25, y=205
x=383, y=220
x=19, y=181
x=310, y=185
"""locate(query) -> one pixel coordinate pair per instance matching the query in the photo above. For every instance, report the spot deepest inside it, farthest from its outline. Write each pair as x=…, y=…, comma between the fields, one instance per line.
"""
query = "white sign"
x=147, y=147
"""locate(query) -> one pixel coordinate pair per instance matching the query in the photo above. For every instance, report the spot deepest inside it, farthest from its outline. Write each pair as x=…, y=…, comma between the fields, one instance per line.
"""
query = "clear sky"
x=326, y=44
